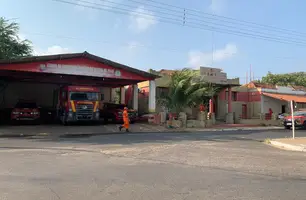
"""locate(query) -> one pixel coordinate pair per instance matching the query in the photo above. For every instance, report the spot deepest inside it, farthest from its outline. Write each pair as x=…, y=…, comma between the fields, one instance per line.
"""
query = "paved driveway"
x=150, y=166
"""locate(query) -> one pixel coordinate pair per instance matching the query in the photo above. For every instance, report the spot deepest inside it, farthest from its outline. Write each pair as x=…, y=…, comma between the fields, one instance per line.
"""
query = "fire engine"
x=78, y=103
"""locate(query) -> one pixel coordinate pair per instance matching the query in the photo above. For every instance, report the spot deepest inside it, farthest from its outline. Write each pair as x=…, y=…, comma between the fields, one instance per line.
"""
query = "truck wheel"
x=287, y=127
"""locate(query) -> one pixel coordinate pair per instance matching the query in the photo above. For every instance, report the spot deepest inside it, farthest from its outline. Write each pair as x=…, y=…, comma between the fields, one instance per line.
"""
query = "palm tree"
x=11, y=45
x=186, y=89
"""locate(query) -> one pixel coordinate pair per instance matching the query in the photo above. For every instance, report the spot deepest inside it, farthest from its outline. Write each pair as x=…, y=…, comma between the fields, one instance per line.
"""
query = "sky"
x=165, y=37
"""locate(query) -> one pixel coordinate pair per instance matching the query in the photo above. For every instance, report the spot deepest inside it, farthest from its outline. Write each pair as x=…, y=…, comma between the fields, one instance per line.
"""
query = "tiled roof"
x=298, y=88
x=262, y=85
x=167, y=71
x=287, y=97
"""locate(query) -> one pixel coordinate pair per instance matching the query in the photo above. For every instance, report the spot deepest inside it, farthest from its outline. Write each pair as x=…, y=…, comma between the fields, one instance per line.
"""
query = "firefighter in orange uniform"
x=126, y=121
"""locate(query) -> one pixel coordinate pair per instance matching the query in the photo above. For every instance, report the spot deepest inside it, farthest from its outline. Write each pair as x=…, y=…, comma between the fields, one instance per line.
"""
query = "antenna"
x=250, y=73
x=247, y=78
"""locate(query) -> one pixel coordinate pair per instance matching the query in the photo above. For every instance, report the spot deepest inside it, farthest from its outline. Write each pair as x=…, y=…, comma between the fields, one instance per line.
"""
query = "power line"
x=166, y=49
x=184, y=18
x=190, y=25
x=227, y=18
x=213, y=17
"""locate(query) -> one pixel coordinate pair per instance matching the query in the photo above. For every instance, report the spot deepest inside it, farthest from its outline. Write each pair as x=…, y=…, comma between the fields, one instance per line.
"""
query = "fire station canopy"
x=286, y=97
x=74, y=68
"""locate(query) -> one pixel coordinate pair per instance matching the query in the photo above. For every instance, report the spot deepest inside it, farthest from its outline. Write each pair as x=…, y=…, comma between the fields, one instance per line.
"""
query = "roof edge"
x=84, y=54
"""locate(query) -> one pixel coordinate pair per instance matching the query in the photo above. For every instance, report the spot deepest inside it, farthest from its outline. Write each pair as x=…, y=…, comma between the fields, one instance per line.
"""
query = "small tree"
x=11, y=46
x=186, y=89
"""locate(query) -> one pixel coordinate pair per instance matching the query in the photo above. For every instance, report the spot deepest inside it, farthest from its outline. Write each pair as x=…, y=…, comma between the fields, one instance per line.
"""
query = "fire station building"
x=37, y=78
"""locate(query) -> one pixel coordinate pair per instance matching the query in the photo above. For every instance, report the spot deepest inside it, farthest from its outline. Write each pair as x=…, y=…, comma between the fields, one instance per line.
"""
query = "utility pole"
x=292, y=119
x=250, y=73
x=246, y=77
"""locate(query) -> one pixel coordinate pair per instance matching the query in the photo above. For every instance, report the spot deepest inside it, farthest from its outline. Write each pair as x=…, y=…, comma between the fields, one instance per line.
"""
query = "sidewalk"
x=297, y=144
x=66, y=131
x=234, y=127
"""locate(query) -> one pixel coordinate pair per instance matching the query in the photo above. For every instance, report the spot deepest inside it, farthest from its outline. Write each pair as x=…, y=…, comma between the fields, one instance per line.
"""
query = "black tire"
x=132, y=122
x=287, y=127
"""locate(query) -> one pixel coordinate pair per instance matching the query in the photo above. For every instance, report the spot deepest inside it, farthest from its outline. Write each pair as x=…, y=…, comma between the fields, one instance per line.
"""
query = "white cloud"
x=198, y=58
x=142, y=19
x=217, y=6
x=51, y=50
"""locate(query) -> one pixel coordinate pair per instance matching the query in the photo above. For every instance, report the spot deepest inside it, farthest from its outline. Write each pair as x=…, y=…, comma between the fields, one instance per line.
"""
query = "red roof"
x=85, y=54
x=287, y=97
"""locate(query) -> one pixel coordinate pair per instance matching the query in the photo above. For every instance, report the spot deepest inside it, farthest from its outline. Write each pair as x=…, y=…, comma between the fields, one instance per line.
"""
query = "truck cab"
x=78, y=103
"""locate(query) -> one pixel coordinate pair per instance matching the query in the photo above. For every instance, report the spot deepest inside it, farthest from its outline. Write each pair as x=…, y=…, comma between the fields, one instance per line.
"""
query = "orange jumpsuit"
x=126, y=121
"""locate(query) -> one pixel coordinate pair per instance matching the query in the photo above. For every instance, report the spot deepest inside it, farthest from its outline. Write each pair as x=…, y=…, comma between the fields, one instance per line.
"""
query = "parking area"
x=57, y=130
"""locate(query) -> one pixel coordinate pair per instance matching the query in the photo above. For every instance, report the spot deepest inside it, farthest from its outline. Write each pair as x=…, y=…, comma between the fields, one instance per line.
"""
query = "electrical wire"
x=180, y=23
x=228, y=19
x=184, y=17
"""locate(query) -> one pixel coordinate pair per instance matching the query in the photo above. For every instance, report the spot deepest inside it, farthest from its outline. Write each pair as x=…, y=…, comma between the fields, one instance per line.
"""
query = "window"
x=63, y=94
x=162, y=91
x=84, y=96
x=21, y=104
x=234, y=96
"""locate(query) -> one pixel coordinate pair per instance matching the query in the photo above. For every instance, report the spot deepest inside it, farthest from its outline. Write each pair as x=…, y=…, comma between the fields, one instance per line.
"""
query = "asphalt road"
x=210, y=165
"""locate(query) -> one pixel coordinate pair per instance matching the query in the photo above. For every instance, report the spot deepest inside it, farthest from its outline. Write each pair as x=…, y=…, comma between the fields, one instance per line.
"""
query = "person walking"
x=126, y=120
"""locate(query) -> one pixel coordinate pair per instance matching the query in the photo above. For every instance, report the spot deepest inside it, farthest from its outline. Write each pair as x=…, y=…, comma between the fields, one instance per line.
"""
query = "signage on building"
x=79, y=70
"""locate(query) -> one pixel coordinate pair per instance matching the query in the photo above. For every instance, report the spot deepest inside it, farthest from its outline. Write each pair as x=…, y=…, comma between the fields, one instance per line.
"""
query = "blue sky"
x=145, y=43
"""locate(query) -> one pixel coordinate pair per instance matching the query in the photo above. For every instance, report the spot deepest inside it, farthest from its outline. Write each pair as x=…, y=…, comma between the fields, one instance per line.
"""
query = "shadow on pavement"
x=168, y=137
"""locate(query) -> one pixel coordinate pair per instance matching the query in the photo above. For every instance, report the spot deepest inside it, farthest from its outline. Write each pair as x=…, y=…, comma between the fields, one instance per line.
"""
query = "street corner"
x=290, y=144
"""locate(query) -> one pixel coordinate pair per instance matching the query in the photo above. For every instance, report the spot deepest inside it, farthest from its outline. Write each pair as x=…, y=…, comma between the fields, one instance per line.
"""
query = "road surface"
x=189, y=166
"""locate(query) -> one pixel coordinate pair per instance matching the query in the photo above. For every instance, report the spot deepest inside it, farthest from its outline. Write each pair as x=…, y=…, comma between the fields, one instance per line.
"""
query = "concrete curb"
x=187, y=130
x=287, y=146
x=237, y=129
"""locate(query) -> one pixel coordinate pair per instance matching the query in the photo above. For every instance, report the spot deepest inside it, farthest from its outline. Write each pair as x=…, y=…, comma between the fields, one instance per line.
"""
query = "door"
x=283, y=108
x=244, y=111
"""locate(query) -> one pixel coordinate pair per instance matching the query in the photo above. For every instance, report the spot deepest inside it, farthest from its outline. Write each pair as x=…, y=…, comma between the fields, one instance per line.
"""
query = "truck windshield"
x=84, y=96
x=26, y=105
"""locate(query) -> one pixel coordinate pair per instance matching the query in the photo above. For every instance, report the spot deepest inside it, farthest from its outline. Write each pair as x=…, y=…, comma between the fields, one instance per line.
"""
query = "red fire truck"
x=78, y=103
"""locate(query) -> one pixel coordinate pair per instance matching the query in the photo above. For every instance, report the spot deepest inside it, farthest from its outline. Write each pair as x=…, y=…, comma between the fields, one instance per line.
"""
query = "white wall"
x=274, y=104
x=106, y=92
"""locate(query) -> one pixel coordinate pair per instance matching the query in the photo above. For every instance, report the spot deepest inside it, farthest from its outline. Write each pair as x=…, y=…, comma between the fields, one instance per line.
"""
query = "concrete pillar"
x=229, y=98
x=135, y=97
x=229, y=115
x=262, y=101
x=122, y=95
x=152, y=96
x=211, y=106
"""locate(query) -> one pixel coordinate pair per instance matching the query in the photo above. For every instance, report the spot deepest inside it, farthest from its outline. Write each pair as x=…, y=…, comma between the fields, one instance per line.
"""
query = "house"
x=212, y=75
x=252, y=100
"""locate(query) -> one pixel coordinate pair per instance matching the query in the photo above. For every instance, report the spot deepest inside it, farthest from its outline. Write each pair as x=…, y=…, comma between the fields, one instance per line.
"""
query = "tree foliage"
x=11, y=46
x=186, y=89
x=297, y=78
